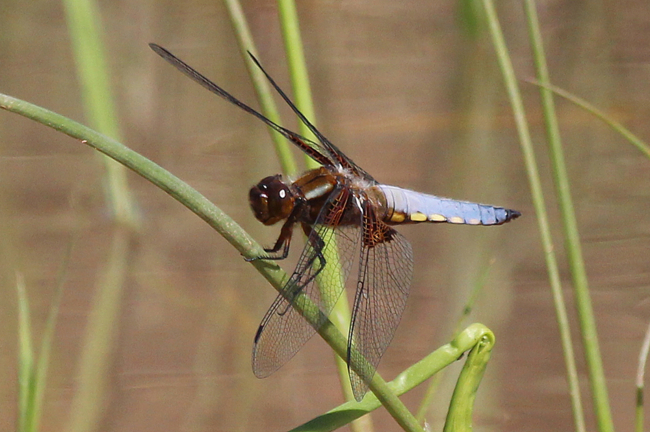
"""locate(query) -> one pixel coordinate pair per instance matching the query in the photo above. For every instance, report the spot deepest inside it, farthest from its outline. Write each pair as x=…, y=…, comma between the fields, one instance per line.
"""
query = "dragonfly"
x=339, y=204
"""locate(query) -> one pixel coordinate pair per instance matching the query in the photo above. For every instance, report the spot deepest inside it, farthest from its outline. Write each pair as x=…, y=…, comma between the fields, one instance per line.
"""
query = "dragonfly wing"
x=324, y=146
x=284, y=330
x=385, y=273
x=315, y=151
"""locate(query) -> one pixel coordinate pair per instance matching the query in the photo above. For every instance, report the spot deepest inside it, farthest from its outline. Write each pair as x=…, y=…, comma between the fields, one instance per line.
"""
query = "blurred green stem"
x=85, y=27
x=617, y=126
x=90, y=397
x=640, y=381
x=542, y=217
x=261, y=84
x=290, y=26
x=566, y=208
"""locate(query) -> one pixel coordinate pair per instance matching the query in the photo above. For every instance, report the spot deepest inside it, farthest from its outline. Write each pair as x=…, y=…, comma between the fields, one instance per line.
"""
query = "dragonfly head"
x=271, y=200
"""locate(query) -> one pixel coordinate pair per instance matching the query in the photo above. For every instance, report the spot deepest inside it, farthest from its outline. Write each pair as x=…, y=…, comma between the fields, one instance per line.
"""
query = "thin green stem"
x=618, y=127
x=289, y=24
x=261, y=84
x=295, y=53
x=26, y=381
x=566, y=209
x=479, y=284
x=85, y=27
x=640, y=381
x=526, y=146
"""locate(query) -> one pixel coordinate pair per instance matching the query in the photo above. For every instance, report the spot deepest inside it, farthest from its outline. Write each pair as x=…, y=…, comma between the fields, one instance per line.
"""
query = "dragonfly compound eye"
x=271, y=200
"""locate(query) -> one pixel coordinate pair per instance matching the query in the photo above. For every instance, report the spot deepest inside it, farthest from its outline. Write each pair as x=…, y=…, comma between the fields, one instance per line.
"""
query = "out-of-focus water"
x=412, y=98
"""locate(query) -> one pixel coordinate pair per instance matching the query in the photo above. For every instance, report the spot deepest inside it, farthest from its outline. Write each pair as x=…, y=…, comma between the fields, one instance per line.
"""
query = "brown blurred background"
x=408, y=93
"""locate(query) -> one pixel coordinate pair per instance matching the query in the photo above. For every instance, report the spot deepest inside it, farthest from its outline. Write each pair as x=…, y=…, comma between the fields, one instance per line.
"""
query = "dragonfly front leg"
x=282, y=243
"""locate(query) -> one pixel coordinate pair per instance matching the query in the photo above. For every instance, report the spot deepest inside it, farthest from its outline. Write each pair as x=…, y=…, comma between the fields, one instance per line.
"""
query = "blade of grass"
x=572, y=240
x=25, y=359
x=32, y=374
x=43, y=361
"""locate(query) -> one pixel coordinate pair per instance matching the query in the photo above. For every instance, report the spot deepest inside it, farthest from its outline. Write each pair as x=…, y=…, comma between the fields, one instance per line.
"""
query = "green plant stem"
x=568, y=216
x=289, y=24
x=32, y=374
x=89, y=402
x=299, y=78
x=640, y=381
x=207, y=211
x=261, y=85
x=413, y=376
x=479, y=284
x=459, y=417
x=85, y=27
x=617, y=126
x=526, y=145
x=26, y=380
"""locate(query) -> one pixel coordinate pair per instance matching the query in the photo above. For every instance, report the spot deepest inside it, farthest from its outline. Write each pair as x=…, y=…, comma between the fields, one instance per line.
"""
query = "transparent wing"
x=323, y=152
x=324, y=146
x=284, y=330
x=313, y=150
x=385, y=273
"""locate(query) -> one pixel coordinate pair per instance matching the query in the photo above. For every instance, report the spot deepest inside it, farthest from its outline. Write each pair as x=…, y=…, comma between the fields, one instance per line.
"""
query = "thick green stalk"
x=459, y=417
x=471, y=337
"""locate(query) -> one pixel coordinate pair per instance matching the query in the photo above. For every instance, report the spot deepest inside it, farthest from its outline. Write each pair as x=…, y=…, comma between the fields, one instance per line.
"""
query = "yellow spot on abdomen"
x=456, y=220
x=418, y=217
x=473, y=221
x=398, y=217
x=437, y=218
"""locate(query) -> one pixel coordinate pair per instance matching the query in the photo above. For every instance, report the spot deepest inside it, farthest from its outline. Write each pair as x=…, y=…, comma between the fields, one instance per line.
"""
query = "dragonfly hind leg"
x=295, y=285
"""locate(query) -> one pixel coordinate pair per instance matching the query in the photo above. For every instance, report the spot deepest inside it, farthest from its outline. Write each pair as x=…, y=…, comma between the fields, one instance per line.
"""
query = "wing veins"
x=385, y=271
x=279, y=337
x=196, y=76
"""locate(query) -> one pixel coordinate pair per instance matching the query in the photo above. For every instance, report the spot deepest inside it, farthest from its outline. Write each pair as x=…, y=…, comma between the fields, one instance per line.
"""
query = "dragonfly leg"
x=283, y=242
x=317, y=245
